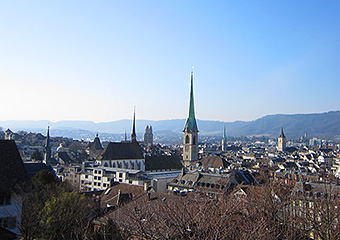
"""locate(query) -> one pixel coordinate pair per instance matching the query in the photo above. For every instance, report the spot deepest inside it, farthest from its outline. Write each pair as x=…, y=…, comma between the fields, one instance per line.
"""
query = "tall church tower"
x=190, y=140
x=281, y=142
x=224, y=140
x=133, y=134
x=148, y=135
x=47, y=158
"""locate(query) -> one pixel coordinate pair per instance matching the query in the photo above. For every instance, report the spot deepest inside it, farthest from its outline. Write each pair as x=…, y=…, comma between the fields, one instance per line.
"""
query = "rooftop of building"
x=121, y=150
x=13, y=174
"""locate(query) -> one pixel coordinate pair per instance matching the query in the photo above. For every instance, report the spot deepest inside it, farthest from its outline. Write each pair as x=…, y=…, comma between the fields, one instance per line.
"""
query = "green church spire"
x=224, y=133
x=191, y=124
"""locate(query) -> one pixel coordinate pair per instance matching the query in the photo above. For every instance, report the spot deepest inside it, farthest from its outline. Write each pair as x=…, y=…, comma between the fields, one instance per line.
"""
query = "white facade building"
x=100, y=178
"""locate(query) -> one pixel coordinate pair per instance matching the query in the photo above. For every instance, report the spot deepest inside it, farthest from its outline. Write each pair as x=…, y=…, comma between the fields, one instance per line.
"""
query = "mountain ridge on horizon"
x=126, y=119
x=325, y=124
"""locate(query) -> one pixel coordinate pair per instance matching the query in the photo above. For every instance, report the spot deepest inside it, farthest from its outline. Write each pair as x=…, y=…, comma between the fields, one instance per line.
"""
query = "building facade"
x=100, y=178
x=123, y=155
x=13, y=180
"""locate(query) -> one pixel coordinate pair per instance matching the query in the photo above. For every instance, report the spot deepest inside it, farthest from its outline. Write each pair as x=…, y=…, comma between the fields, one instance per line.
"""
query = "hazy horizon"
x=137, y=119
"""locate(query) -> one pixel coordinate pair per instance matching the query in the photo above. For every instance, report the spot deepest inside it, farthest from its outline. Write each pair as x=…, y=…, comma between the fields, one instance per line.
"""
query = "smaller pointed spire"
x=48, y=134
x=133, y=134
x=48, y=148
x=282, y=135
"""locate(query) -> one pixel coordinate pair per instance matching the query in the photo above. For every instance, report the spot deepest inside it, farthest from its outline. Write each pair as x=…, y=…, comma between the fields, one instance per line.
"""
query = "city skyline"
x=82, y=60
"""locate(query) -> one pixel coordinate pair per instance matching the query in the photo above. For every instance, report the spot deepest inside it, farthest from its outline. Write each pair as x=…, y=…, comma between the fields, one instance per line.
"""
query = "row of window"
x=99, y=184
x=126, y=165
x=99, y=178
x=199, y=184
x=210, y=185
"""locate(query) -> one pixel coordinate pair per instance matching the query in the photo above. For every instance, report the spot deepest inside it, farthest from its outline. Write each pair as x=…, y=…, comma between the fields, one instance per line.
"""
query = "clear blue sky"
x=95, y=60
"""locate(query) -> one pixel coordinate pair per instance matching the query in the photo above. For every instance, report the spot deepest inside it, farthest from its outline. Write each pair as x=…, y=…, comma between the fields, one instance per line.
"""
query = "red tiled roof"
x=213, y=162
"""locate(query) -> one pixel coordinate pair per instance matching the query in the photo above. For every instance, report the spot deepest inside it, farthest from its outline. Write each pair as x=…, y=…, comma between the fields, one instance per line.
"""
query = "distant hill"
x=324, y=125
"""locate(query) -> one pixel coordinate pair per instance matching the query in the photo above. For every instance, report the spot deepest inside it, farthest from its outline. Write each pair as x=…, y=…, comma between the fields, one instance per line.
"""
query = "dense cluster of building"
x=213, y=169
